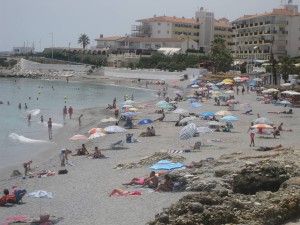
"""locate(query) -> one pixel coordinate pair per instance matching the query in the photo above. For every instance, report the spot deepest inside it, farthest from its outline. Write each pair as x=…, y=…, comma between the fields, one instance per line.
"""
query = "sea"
x=20, y=140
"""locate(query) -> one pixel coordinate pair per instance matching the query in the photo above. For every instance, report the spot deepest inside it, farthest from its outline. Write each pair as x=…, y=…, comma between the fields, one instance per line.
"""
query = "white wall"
x=164, y=28
x=294, y=37
x=34, y=66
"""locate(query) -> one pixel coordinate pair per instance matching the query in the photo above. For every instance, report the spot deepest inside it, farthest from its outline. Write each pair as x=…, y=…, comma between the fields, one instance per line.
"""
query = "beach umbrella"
x=223, y=96
x=207, y=114
x=195, y=86
x=114, y=129
x=285, y=102
x=227, y=80
x=217, y=93
x=179, y=92
x=214, y=123
x=180, y=111
x=238, y=79
x=110, y=119
x=78, y=137
x=188, y=131
x=229, y=92
x=195, y=105
x=271, y=90
x=262, y=120
x=286, y=84
x=223, y=113
x=96, y=130
x=130, y=114
x=229, y=118
x=209, y=84
x=145, y=121
x=41, y=194
x=162, y=103
x=215, y=88
x=165, y=106
x=133, y=109
x=204, y=130
x=166, y=165
x=96, y=135
x=257, y=79
x=187, y=119
x=129, y=102
x=262, y=126
x=253, y=84
x=127, y=106
x=202, y=89
x=245, y=78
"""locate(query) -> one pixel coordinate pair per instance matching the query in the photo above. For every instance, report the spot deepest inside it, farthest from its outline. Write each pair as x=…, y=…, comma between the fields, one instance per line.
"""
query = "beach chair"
x=197, y=145
x=116, y=144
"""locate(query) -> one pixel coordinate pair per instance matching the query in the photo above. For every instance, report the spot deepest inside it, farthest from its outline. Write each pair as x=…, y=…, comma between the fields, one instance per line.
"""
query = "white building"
x=23, y=50
x=255, y=37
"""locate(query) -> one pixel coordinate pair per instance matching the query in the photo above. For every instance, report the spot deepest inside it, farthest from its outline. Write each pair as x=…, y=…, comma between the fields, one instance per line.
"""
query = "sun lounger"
x=197, y=145
x=116, y=144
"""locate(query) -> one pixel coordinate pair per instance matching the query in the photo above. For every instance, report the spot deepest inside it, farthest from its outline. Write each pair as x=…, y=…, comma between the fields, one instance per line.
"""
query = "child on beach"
x=26, y=166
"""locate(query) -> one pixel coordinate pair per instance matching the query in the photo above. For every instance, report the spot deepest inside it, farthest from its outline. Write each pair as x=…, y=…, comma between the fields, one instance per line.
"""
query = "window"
x=158, y=31
x=158, y=24
x=169, y=32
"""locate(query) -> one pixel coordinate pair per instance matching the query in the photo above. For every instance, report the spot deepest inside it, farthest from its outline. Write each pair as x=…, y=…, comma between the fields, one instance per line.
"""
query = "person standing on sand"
x=50, y=128
x=114, y=105
x=252, y=135
x=65, y=112
x=70, y=110
x=79, y=119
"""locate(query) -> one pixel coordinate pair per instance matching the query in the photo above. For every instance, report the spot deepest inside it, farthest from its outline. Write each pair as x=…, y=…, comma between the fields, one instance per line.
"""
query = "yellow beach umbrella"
x=223, y=113
x=133, y=109
x=228, y=80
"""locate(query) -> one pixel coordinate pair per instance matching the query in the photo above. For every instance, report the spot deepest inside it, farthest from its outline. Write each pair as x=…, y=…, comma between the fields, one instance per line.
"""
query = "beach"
x=82, y=195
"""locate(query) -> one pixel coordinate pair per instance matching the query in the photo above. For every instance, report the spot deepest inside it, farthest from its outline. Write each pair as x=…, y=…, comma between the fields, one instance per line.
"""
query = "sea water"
x=21, y=140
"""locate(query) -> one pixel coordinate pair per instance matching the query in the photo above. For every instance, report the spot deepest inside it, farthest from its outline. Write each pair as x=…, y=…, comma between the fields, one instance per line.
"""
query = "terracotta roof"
x=114, y=38
x=168, y=19
x=275, y=12
x=218, y=24
x=147, y=39
x=224, y=19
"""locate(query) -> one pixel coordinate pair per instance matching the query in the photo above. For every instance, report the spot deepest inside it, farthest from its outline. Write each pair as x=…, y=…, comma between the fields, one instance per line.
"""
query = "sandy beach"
x=82, y=195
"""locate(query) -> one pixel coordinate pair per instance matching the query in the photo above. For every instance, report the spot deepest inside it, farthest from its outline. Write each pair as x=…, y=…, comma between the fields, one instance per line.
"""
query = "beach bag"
x=63, y=171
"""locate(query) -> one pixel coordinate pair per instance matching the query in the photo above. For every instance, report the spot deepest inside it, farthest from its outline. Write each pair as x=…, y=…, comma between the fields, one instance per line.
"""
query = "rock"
x=195, y=207
x=295, y=181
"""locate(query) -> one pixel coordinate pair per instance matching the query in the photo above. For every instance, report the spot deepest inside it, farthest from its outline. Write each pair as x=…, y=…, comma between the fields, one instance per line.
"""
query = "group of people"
x=13, y=198
x=151, y=182
x=149, y=132
x=66, y=111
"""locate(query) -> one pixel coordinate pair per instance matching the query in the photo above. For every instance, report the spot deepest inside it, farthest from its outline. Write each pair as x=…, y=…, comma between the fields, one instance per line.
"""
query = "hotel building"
x=255, y=37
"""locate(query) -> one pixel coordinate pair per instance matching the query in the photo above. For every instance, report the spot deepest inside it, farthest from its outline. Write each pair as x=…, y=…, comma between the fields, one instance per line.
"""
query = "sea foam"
x=23, y=139
x=34, y=112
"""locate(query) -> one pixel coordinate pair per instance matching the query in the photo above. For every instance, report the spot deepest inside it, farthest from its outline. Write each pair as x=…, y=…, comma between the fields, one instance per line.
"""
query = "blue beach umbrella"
x=162, y=103
x=229, y=118
x=195, y=105
x=207, y=114
x=166, y=165
x=129, y=114
x=145, y=121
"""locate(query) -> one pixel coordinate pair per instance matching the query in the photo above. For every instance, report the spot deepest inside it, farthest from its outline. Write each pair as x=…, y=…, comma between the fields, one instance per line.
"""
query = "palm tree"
x=84, y=40
x=285, y=67
x=220, y=56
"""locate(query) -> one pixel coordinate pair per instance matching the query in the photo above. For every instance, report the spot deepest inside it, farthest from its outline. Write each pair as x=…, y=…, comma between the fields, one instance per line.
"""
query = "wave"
x=23, y=139
x=54, y=125
x=34, y=112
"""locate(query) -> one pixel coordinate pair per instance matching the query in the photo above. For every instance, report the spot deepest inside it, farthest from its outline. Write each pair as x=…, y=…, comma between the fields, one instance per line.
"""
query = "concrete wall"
x=34, y=66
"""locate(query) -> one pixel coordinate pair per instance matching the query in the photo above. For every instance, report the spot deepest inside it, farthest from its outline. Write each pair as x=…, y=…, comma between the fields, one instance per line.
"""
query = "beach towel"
x=15, y=219
x=134, y=193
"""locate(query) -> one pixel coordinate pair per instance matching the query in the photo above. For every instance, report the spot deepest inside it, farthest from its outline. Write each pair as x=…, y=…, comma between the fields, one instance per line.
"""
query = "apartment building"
x=223, y=29
x=200, y=28
x=255, y=37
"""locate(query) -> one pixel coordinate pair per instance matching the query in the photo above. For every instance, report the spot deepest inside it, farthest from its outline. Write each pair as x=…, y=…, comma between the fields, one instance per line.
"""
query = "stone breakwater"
x=261, y=190
x=29, y=69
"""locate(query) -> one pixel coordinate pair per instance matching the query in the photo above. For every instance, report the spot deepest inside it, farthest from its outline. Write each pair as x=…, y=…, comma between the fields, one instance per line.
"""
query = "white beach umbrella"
x=110, y=119
x=257, y=79
x=286, y=84
x=180, y=111
x=263, y=120
x=114, y=129
x=187, y=119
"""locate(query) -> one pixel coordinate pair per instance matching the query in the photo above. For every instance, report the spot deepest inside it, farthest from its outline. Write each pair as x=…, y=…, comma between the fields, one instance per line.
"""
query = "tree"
x=220, y=56
x=84, y=40
x=285, y=67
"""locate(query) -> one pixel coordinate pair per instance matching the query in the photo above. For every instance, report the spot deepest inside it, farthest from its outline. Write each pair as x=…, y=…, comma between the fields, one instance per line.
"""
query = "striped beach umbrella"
x=188, y=131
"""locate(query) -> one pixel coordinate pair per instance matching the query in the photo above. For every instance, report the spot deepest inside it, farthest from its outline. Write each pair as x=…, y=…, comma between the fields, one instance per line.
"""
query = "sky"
x=24, y=22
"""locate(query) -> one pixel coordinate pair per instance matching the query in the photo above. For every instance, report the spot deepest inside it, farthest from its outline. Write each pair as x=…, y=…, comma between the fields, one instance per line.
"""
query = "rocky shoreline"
x=236, y=189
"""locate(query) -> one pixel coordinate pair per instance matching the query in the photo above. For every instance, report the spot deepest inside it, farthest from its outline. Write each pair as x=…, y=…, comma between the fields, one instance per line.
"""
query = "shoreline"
x=86, y=187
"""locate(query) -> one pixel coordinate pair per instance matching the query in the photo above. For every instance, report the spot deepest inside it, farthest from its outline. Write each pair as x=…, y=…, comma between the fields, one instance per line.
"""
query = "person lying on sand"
x=120, y=192
x=269, y=148
x=82, y=151
x=280, y=128
x=151, y=181
x=167, y=185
